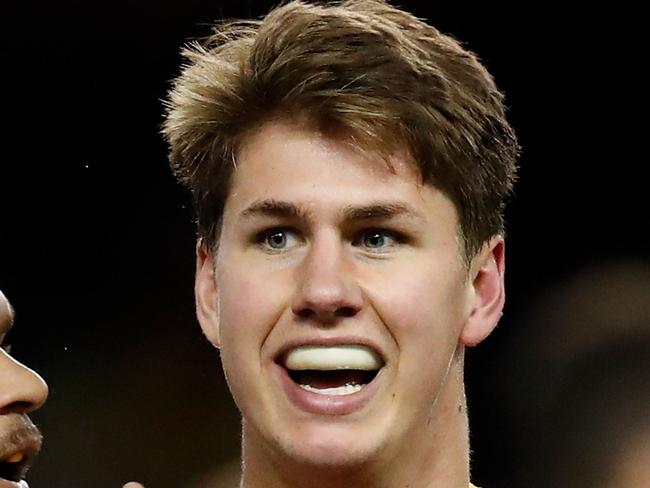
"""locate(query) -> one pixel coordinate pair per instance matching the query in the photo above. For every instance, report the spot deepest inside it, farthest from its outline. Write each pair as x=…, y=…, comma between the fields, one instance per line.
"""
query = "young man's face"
x=341, y=299
x=21, y=390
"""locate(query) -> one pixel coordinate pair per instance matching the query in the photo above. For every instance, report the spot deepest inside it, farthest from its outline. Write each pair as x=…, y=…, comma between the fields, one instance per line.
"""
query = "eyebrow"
x=381, y=211
x=274, y=208
x=351, y=213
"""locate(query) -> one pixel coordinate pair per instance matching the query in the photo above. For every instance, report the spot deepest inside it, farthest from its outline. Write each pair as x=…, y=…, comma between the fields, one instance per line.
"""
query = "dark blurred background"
x=97, y=241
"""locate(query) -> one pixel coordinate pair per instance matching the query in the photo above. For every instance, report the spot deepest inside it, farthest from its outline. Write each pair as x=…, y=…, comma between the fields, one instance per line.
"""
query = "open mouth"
x=332, y=370
x=14, y=467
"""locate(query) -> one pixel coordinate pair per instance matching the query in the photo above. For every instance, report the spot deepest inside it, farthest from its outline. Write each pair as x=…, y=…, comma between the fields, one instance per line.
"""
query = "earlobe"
x=487, y=292
x=206, y=294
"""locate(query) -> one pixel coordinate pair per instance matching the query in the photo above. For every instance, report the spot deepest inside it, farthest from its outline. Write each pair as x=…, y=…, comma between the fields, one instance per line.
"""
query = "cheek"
x=424, y=316
x=249, y=306
x=420, y=303
x=240, y=310
x=423, y=310
x=242, y=329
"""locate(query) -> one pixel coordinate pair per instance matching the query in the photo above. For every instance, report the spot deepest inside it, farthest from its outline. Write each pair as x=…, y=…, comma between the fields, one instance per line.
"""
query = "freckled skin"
x=412, y=297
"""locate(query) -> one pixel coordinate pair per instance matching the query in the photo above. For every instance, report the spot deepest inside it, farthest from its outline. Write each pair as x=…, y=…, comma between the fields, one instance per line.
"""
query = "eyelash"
x=261, y=237
x=398, y=237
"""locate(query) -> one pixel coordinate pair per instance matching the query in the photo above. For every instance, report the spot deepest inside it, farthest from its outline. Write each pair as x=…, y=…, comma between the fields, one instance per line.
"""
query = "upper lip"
x=22, y=437
x=327, y=341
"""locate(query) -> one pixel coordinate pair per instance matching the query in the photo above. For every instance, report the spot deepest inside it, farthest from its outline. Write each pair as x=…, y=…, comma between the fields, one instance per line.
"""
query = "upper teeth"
x=326, y=358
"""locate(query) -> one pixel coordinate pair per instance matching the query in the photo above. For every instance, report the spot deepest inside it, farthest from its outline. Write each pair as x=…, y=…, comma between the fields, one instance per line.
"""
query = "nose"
x=21, y=389
x=327, y=290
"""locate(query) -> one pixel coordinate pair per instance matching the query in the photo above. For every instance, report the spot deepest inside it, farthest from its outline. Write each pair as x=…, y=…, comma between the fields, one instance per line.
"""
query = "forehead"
x=280, y=152
x=322, y=180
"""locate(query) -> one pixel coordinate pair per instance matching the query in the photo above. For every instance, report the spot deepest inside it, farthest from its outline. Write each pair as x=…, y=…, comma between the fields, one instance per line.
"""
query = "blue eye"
x=276, y=239
x=374, y=239
x=378, y=240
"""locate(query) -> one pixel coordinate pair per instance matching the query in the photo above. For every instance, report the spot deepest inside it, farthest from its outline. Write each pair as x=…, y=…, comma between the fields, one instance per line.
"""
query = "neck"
x=434, y=453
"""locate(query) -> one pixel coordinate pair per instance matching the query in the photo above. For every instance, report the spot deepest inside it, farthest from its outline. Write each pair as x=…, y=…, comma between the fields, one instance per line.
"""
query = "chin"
x=341, y=446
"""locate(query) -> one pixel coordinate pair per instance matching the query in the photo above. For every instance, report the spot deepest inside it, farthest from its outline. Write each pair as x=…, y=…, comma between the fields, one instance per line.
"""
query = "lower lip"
x=326, y=404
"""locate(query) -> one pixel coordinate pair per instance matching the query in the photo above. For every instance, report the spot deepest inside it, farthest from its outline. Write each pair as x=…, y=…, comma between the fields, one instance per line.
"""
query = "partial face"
x=339, y=299
x=21, y=390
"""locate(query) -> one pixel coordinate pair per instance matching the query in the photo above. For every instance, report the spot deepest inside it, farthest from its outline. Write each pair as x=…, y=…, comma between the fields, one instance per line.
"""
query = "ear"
x=206, y=293
x=487, y=292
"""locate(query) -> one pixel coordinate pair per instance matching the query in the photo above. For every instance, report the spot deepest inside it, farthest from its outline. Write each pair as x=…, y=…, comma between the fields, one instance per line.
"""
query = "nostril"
x=17, y=407
x=341, y=312
x=346, y=312
x=305, y=313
